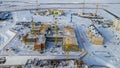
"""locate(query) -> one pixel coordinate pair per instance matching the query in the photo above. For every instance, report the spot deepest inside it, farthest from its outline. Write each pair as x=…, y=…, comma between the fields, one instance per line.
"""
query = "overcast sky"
x=65, y=1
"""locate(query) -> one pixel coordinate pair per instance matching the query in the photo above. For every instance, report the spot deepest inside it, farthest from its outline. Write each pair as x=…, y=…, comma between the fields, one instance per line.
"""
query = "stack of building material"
x=116, y=24
x=95, y=36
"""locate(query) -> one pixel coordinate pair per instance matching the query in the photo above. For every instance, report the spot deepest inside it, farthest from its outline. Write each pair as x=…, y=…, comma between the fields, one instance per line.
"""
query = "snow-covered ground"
x=64, y=20
x=99, y=55
x=6, y=38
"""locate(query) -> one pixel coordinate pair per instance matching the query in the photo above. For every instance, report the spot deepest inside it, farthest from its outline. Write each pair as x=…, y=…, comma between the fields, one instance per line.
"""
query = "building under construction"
x=65, y=35
x=36, y=37
x=94, y=35
x=69, y=40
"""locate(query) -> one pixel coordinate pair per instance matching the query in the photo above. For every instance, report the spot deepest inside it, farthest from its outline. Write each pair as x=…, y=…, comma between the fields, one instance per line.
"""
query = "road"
x=21, y=60
x=111, y=13
x=80, y=37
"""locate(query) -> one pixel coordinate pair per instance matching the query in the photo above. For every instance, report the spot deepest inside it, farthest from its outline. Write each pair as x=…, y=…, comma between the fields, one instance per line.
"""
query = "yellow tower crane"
x=33, y=24
x=37, y=5
x=83, y=7
x=55, y=13
x=67, y=49
x=56, y=31
x=96, y=8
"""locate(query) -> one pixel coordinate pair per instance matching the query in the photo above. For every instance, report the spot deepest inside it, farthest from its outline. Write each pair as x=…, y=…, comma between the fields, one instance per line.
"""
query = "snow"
x=98, y=53
x=21, y=60
x=38, y=18
x=22, y=16
x=67, y=1
x=7, y=37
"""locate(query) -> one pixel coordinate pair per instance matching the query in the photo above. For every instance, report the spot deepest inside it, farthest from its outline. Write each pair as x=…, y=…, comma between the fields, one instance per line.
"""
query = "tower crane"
x=37, y=7
x=83, y=6
x=55, y=13
x=56, y=31
x=67, y=49
x=33, y=24
x=96, y=8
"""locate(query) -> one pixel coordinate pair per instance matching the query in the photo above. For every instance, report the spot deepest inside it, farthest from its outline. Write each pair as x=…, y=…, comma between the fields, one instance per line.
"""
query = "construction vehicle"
x=2, y=60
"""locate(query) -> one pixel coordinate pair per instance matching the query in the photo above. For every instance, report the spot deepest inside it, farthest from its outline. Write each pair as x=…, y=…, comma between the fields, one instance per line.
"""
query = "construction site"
x=56, y=34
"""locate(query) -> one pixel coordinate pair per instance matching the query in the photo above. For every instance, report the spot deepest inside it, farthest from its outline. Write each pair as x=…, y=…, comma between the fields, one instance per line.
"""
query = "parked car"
x=29, y=63
x=11, y=49
x=2, y=60
x=36, y=62
x=5, y=15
